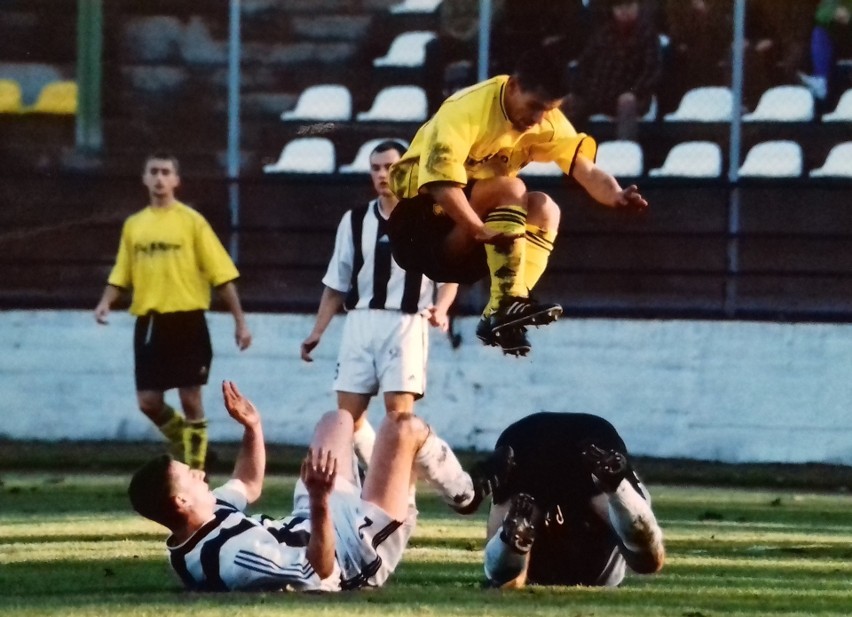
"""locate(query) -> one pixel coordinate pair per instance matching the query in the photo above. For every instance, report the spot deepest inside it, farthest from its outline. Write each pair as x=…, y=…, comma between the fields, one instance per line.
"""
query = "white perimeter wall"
x=729, y=391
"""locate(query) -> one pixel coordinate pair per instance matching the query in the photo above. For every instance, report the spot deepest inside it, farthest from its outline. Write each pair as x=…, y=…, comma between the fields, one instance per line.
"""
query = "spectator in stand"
x=700, y=34
x=450, y=62
x=619, y=69
x=776, y=34
x=531, y=23
x=831, y=38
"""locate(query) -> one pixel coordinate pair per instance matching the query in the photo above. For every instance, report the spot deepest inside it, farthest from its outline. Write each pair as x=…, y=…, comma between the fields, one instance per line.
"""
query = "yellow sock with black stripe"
x=506, y=263
x=538, y=250
x=195, y=443
x=172, y=425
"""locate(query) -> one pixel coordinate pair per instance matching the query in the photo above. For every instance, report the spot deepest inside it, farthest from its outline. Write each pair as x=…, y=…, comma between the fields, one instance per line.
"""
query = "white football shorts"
x=369, y=543
x=383, y=350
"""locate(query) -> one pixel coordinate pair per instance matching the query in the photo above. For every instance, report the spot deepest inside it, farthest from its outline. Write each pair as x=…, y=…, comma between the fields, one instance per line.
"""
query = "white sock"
x=501, y=563
x=438, y=465
x=363, y=441
x=632, y=518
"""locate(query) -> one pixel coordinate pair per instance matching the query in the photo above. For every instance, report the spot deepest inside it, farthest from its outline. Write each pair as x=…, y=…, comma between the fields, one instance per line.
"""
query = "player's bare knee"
x=543, y=211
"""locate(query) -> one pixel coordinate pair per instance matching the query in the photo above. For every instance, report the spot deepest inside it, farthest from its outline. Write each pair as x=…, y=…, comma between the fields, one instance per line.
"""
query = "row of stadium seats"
x=58, y=97
x=694, y=159
x=333, y=102
x=406, y=103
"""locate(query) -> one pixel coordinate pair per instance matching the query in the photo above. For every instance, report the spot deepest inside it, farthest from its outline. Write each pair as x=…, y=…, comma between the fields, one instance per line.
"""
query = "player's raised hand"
x=239, y=407
x=319, y=470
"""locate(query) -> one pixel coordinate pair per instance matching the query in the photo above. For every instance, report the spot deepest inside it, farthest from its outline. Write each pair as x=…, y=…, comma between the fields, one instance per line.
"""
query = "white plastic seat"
x=843, y=111
x=620, y=158
x=407, y=50
x=537, y=168
x=322, y=102
x=361, y=163
x=305, y=155
x=415, y=6
x=705, y=104
x=398, y=104
x=838, y=163
x=692, y=159
x=773, y=159
x=783, y=104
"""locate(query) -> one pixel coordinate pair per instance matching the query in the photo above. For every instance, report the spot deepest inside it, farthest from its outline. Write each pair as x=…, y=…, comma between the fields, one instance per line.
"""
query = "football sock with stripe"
x=172, y=425
x=501, y=563
x=195, y=443
x=538, y=250
x=438, y=465
x=506, y=263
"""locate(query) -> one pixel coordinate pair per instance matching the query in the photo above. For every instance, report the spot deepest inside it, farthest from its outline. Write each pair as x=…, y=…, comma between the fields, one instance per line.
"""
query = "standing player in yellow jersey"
x=170, y=256
x=464, y=212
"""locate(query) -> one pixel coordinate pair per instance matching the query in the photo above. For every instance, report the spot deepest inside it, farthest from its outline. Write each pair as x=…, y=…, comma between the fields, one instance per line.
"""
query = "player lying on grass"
x=572, y=510
x=339, y=536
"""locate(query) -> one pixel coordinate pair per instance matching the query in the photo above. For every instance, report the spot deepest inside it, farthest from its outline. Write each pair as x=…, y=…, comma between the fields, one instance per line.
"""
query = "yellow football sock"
x=506, y=263
x=538, y=250
x=195, y=443
x=172, y=425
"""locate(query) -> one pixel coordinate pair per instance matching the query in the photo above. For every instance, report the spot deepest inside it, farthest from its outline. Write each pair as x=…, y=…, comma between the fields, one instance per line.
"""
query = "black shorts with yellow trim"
x=172, y=350
x=418, y=228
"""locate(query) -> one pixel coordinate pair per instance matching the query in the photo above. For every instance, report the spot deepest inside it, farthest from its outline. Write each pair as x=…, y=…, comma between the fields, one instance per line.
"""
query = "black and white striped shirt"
x=370, y=276
x=234, y=551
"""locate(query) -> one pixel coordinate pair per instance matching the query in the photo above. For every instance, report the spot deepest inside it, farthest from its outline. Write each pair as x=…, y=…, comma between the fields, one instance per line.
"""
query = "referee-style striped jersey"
x=237, y=552
x=363, y=268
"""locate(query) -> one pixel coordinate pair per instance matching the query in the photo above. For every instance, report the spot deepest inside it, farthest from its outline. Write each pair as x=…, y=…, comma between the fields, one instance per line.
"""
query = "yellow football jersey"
x=170, y=256
x=471, y=138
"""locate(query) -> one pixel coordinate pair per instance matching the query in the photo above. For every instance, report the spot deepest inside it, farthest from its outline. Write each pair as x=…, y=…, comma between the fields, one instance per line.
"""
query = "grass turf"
x=70, y=546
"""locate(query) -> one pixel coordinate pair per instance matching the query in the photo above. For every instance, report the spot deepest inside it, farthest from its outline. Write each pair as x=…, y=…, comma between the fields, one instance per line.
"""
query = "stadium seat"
x=58, y=97
x=783, y=104
x=305, y=155
x=843, y=111
x=773, y=159
x=398, y=104
x=692, y=159
x=407, y=50
x=706, y=104
x=620, y=158
x=541, y=169
x=322, y=102
x=838, y=163
x=10, y=97
x=361, y=163
x=416, y=6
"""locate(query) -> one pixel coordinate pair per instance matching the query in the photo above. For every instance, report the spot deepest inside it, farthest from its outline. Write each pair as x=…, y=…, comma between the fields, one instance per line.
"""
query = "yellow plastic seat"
x=10, y=97
x=58, y=97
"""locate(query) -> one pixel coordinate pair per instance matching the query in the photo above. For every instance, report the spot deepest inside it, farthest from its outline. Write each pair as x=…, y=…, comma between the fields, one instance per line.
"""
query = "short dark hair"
x=163, y=156
x=541, y=69
x=389, y=144
x=150, y=491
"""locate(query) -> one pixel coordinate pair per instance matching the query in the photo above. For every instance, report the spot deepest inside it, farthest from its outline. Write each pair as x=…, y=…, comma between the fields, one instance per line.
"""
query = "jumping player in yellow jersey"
x=170, y=256
x=464, y=212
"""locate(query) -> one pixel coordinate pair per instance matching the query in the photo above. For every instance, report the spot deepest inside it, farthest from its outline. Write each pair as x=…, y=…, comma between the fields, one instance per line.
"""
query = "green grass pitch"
x=70, y=546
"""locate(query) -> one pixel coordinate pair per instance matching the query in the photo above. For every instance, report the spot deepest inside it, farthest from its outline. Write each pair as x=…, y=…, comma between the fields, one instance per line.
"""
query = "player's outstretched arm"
x=604, y=188
x=251, y=459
